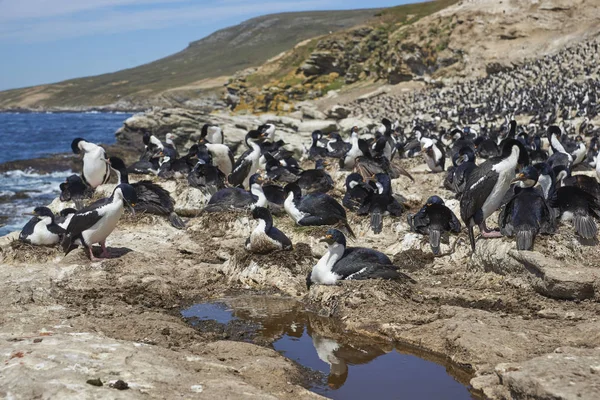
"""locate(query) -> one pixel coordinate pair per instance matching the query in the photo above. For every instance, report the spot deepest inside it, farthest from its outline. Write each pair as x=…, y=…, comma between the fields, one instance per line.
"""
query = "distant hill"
x=220, y=54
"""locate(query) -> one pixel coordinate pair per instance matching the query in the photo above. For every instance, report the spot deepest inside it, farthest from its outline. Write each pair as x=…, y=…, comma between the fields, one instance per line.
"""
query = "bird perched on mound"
x=314, y=209
x=94, y=223
x=433, y=220
x=236, y=198
x=357, y=192
x=578, y=207
x=42, y=229
x=380, y=202
x=351, y=263
x=317, y=179
x=526, y=214
x=74, y=189
x=487, y=185
x=95, y=164
x=151, y=198
x=265, y=238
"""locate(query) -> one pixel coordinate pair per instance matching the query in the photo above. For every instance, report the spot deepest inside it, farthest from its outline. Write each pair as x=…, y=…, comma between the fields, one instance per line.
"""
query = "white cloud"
x=47, y=20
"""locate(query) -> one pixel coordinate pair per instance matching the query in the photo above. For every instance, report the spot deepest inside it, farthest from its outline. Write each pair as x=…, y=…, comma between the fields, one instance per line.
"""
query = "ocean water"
x=31, y=135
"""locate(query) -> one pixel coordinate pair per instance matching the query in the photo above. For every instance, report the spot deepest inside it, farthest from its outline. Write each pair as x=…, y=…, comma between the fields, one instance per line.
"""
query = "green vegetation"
x=184, y=75
x=248, y=44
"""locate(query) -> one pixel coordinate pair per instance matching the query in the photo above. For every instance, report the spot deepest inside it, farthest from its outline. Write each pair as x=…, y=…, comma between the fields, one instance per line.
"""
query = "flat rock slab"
x=557, y=280
x=548, y=276
x=568, y=373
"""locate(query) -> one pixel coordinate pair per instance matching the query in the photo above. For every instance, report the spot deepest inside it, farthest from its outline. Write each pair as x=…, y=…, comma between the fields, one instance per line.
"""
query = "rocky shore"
x=511, y=324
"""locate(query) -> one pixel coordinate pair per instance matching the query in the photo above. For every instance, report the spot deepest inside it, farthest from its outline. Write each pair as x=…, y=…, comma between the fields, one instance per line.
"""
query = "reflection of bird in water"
x=339, y=354
x=338, y=369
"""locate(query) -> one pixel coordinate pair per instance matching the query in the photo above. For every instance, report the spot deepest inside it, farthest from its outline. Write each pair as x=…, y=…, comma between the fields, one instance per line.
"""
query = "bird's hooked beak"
x=462, y=159
x=130, y=207
x=29, y=214
x=327, y=239
x=520, y=177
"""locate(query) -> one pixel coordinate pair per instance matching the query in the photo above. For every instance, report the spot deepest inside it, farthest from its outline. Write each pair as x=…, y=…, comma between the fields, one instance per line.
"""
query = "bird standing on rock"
x=96, y=222
x=487, y=185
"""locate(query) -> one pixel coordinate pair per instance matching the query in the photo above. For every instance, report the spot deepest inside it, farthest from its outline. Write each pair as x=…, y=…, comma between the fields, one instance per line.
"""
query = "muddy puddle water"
x=347, y=366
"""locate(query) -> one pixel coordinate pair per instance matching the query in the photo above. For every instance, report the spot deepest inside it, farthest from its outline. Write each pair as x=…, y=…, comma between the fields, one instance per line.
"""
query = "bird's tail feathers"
x=376, y=221
x=472, y=238
x=525, y=239
x=434, y=240
x=585, y=226
x=176, y=221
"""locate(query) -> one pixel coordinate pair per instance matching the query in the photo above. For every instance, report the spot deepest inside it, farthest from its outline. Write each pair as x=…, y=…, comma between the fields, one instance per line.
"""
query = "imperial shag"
x=42, y=229
x=95, y=163
x=94, y=223
x=265, y=238
x=314, y=209
x=351, y=263
x=487, y=185
x=433, y=220
x=526, y=214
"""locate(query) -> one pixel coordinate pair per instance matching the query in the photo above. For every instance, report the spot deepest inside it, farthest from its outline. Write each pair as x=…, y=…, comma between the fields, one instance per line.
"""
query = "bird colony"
x=516, y=153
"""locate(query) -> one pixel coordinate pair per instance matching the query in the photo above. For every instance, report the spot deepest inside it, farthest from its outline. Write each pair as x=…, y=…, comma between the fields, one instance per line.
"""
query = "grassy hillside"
x=250, y=43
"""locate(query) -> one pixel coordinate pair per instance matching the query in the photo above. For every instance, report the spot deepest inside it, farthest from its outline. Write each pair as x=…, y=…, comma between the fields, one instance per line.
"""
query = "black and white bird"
x=578, y=207
x=434, y=154
x=315, y=151
x=221, y=155
x=526, y=214
x=316, y=180
x=487, y=185
x=265, y=238
x=41, y=229
x=336, y=147
x=349, y=158
x=74, y=189
x=380, y=202
x=95, y=163
x=236, y=198
x=64, y=217
x=96, y=222
x=178, y=168
x=151, y=198
x=559, y=157
x=247, y=164
x=465, y=165
x=351, y=263
x=314, y=209
x=212, y=134
x=357, y=192
x=433, y=220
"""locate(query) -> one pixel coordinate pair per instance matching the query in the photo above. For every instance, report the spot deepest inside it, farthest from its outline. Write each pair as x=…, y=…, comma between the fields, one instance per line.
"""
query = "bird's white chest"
x=506, y=172
x=322, y=272
x=291, y=209
x=260, y=241
x=95, y=170
x=352, y=154
x=104, y=227
x=220, y=154
x=41, y=235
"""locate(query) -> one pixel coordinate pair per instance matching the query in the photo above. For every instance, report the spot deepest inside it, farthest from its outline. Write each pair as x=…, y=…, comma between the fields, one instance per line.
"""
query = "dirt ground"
x=512, y=324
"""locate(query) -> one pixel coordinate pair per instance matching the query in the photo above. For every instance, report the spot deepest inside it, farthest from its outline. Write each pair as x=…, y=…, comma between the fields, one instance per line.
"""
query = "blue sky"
x=43, y=41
